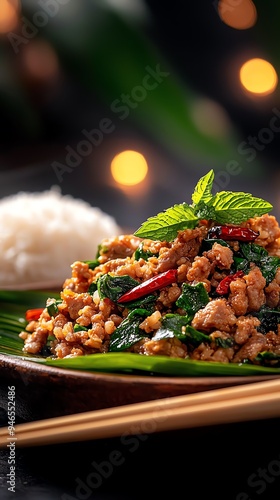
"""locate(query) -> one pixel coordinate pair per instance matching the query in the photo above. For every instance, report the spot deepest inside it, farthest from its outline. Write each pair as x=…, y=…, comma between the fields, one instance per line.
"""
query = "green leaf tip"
x=225, y=207
x=203, y=189
x=165, y=225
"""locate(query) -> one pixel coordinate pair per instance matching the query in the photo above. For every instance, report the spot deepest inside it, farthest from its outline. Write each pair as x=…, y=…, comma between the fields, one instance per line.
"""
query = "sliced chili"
x=149, y=286
x=33, y=314
x=223, y=286
x=233, y=233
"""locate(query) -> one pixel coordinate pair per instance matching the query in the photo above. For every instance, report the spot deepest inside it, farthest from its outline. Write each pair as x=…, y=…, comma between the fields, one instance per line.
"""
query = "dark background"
x=100, y=54
x=101, y=50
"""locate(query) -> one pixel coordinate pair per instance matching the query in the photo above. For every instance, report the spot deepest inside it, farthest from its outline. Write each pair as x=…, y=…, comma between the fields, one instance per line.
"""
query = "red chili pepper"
x=233, y=233
x=33, y=314
x=150, y=285
x=223, y=286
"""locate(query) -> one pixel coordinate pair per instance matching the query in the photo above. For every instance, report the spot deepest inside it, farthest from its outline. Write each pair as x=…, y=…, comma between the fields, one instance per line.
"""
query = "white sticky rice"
x=42, y=234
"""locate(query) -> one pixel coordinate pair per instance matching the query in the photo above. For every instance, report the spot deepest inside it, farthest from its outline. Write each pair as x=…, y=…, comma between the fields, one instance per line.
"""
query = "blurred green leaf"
x=266, y=31
x=14, y=98
x=115, y=59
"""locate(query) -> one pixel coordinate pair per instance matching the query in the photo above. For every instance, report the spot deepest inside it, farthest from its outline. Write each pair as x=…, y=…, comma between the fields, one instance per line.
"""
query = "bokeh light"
x=258, y=76
x=129, y=168
x=8, y=15
x=210, y=117
x=40, y=60
x=240, y=15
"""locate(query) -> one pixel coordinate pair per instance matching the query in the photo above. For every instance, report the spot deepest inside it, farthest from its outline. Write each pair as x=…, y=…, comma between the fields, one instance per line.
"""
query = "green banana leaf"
x=13, y=305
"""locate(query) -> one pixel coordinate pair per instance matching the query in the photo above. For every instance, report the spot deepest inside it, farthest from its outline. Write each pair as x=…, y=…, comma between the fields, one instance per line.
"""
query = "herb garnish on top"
x=225, y=207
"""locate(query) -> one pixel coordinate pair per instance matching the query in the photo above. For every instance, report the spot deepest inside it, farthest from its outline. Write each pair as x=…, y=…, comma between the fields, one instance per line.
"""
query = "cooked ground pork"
x=207, y=313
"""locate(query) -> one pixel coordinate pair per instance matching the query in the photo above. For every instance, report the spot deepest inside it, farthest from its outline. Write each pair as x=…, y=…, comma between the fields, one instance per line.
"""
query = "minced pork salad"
x=198, y=281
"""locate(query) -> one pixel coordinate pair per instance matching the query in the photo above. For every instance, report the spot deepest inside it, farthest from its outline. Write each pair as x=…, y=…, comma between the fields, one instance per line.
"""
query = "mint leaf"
x=203, y=189
x=203, y=211
x=225, y=207
x=165, y=225
x=202, y=196
x=236, y=207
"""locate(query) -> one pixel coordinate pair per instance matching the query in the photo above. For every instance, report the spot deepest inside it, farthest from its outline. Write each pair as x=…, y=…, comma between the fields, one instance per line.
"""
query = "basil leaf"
x=192, y=298
x=209, y=242
x=113, y=287
x=252, y=252
x=172, y=325
x=139, y=313
x=126, y=335
x=195, y=336
x=92, y=264
x=92, y=288
x=171, y=328
x=128, y=332
x=241, y=264
x=165, y=225
x=268, y=264
x=269, y=319
x=143, y=254
x=147, y=302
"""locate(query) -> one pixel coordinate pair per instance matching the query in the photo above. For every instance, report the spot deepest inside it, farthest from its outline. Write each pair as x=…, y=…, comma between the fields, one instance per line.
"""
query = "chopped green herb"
x=79, y=328
x=224, y=343
x=143, y=254
x=92, y=264
x=52, y=306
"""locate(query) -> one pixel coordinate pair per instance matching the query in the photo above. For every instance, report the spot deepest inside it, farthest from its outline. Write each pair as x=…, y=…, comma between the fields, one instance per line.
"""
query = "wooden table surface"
x=228, y=462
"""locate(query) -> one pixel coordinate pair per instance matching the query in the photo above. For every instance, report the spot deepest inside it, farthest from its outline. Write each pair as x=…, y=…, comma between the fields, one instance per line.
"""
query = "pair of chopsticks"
x=254, y=401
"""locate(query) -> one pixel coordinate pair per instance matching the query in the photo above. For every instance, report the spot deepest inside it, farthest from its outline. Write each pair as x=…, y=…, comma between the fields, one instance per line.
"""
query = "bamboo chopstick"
x=239, y=403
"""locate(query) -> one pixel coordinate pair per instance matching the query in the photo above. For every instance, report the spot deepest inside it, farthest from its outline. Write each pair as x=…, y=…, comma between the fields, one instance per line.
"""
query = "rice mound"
x=43, y=233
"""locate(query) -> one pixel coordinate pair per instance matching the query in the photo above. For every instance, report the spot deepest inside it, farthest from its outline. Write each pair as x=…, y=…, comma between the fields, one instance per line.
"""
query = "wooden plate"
x=43, y=391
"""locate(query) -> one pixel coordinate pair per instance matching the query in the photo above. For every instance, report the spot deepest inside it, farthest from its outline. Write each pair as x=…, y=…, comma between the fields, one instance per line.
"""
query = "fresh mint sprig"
x=225, y=207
